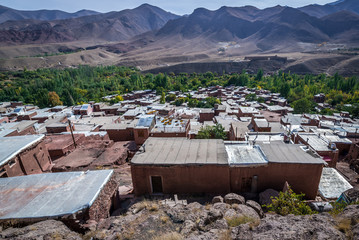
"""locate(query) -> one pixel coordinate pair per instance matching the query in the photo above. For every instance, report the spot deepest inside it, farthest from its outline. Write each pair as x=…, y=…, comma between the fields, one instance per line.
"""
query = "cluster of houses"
x=59, y=149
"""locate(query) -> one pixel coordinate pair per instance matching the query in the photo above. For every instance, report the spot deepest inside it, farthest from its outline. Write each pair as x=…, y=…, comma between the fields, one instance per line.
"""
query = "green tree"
x=251, y=97
x=162, y=99
x=302, y=106
x=192, y=102
x=170, y=97
x=209, y=132
x=54, y=99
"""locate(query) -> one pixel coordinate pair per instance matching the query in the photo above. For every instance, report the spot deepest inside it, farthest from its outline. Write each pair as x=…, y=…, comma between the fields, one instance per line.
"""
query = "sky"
x=180, y=7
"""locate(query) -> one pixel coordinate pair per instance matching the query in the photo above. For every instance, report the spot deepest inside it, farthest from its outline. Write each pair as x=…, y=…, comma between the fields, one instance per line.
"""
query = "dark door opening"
x=156, y=184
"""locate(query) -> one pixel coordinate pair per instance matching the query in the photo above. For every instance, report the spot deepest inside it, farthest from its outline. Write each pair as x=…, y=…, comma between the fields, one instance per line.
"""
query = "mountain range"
x=150, y=36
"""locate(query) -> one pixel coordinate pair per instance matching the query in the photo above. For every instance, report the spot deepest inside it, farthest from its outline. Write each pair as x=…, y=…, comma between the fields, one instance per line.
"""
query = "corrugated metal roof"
x=279, y=152
x=245, y=155
x=176, y=151
x=332, y=184
x=50, y=195
x=11, y=146
x=145, y=121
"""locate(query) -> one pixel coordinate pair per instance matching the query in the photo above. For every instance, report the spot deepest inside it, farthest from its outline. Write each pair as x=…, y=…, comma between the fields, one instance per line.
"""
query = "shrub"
x=289, y=203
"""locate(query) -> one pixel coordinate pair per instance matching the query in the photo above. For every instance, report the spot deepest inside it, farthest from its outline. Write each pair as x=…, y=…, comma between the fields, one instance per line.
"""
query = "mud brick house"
x=247, y=112
x=23, y=155
x=110, y=110
x=85, y=109
x=238, y=130
x=259, y=167
x=123, y=131
x=97, y=107
x=169, y=127
x=206, y=114
x=321, y=145
x=143, y=128
x=180, y=165
x=58, y=128
x=61, y=144
x=260, y=125
x=57, y=108
x=17, y=128
x=56, y=196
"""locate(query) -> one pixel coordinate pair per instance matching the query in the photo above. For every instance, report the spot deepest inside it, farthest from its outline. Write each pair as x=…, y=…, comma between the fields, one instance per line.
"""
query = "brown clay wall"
x=36, y=159
x=301, y=177
x=121, y=135
x=100, y=209
x=182, y=179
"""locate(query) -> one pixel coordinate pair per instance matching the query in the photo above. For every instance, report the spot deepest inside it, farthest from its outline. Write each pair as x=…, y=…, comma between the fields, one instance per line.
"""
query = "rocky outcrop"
x=292, y=227
x=49, y=229
x=152, y=220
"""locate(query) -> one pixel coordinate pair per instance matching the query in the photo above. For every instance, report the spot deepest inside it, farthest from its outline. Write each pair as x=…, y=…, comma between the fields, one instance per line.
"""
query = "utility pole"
x=72, y=133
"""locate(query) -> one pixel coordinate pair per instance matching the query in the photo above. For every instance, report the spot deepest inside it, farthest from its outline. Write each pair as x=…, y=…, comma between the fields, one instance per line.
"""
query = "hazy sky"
x=177, y=6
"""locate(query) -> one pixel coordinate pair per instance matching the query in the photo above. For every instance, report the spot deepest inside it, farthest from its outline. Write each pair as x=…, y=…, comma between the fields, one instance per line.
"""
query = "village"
x=89, y=162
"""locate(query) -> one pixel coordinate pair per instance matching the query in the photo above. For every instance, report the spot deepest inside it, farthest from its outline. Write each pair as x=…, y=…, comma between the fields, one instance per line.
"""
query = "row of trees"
x=75, y=85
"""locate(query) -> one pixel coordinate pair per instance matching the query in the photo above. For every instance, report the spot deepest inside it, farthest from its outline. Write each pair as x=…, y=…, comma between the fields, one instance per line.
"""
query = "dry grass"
x=225, y=235
x=96, y=234
x=345, y=226
x=151, y=206
x=238, y=220
x=208, y=206
x=169, y=236
x=164, y=219
x=57, y=236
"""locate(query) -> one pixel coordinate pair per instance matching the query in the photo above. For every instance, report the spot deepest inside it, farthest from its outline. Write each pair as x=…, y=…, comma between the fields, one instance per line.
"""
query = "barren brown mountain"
x=151, y=38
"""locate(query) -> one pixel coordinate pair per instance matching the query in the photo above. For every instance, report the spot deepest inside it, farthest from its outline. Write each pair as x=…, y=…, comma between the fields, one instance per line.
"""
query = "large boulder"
x=217, y=199
x=249, y=212
x=232, y=198
x=265, y=197
x=223, y=207
x=256, y=207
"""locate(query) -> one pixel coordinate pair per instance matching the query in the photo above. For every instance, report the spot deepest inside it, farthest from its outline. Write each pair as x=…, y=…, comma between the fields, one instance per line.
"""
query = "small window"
x=12, y=163
x=141, y=134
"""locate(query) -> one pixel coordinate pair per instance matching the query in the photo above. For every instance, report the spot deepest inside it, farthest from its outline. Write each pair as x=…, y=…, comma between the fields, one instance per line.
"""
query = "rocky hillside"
x=231, y=217
x=9, y=14
x=112, y=26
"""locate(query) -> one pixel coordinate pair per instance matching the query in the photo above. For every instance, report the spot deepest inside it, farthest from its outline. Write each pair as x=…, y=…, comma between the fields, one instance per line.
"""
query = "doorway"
x=156, y=182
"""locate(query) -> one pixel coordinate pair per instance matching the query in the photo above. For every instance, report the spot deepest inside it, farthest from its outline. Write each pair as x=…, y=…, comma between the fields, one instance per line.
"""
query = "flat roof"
x=120, y=126
x=50, y=195
x=332, y=184
x=242, y=154
x=279, y=152
x=181, y=151
x=261, y=123
x=11, y=146
x=317, y=142
x=170, y=125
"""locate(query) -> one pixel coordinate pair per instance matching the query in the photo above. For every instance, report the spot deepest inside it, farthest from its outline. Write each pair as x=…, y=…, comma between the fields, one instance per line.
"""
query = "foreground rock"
x=291, y=227
x=49, y=229
x=151, y=220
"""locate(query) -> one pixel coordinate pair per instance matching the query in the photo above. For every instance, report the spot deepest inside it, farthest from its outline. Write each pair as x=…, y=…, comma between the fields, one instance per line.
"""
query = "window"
x=141, y=133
